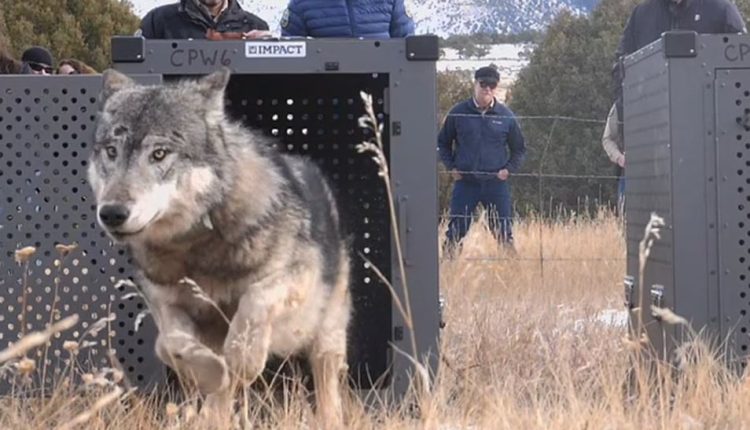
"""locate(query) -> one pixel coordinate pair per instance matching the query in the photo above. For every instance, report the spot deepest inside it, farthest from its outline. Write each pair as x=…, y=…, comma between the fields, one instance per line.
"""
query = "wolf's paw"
x=195, y=361
x=218, y=409
x=210, y=371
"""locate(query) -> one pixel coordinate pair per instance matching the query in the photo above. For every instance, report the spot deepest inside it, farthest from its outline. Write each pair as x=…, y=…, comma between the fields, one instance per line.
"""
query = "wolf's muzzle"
x=113, y=215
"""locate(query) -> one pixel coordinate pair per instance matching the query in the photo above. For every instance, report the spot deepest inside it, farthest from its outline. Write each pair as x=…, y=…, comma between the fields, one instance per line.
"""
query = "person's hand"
x=456, y=176
x=256, y=34
x=503, y=174
x=621, y=160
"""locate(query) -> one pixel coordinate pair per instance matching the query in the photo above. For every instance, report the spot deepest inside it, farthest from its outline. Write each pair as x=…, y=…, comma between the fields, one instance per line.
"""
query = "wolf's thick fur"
x=197, y=196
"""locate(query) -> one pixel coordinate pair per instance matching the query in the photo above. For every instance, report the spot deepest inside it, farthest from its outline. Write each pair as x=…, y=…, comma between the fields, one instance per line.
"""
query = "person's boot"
x=509, y=247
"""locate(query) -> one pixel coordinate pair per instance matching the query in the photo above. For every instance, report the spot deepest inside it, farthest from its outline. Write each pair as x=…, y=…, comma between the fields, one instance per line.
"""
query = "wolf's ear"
x=114, y=81
x=212, y=87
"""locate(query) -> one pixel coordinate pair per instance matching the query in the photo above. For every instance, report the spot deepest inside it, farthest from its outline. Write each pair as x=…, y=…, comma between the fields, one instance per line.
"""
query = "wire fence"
x=541, y=177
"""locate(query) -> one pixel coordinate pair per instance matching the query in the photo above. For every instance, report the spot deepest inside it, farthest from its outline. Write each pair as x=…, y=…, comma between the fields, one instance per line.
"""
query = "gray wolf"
x=197, y=196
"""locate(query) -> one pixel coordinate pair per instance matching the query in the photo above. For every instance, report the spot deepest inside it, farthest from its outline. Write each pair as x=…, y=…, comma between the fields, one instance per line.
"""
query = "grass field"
x=525, y=347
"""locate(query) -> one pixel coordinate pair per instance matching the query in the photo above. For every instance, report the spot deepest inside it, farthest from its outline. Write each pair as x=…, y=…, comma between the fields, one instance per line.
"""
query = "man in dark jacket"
x=372, y=19
x=193, y=19
x=653, y=17
x=481, y=144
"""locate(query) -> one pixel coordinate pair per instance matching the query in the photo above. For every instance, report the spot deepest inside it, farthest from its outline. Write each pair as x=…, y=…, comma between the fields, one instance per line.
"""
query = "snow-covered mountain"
x=442, y=17
x=446, y=17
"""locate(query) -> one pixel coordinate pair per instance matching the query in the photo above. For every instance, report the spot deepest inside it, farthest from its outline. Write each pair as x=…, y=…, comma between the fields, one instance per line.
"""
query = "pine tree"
x=78, y=29
x=744, y=7
x=569, y=75
x=4, y=42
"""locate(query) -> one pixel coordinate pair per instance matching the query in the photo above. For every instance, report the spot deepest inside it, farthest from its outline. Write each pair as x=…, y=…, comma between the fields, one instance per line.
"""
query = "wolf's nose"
x=113, y=215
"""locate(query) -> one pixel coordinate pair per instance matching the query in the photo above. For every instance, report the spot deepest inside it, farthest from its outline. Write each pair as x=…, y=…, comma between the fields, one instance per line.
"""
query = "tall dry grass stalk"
x=374, y=146
x=651, y=234
x=23, y=257
x=369, y=121
x=36, y=339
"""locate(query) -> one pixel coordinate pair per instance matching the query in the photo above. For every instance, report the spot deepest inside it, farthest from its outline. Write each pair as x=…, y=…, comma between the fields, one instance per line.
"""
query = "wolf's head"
x=154, y=168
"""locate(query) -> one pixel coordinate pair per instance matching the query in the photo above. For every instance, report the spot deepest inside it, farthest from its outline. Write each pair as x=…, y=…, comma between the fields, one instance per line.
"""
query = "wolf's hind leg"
x=328, y=369
x=328, y=353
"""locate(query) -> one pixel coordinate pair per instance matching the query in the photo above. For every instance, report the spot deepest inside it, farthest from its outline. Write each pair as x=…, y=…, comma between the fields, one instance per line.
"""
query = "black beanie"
x=37, y=54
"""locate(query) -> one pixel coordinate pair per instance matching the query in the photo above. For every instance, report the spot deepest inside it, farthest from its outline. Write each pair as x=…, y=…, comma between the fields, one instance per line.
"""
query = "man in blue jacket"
x=371, y=19
x=481, y=144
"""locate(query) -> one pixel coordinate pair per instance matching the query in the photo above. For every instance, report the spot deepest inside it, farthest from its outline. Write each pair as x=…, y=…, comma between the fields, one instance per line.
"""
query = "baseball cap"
x=487, y=74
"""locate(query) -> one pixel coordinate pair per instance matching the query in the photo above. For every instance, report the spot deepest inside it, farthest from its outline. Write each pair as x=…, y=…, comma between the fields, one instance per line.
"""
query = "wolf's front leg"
x=245, y=351
x=179, y=348
x=249, y=337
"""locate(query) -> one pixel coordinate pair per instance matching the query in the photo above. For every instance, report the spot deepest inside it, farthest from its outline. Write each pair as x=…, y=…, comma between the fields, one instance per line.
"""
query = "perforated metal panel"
x=45, y=136
x=733, y=157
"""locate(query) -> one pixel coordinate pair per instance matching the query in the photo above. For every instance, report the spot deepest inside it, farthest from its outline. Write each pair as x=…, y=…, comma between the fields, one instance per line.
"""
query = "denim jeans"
x=494, y=194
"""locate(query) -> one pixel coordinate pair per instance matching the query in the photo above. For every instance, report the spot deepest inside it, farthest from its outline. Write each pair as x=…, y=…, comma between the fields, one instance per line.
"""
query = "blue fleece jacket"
x=472, y=141
x=372, y=19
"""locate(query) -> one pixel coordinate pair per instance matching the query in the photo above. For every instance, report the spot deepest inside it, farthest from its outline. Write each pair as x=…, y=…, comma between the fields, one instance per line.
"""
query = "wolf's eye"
x=111, y=152
x=159, y=154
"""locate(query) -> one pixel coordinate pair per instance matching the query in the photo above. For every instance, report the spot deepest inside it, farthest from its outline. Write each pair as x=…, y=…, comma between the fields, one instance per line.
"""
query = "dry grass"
x=520, y=353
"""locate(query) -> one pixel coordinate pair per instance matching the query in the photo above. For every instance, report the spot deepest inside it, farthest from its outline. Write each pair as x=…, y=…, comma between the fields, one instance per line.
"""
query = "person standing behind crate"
x=651, y=18
x=202, y=19
x=370, y=19
x=481, y=144
x=612, y=143
x=37, y=61
x=72, y=66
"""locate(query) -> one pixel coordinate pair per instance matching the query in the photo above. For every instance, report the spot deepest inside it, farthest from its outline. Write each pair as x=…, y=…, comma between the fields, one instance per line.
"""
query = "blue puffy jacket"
x=372, y=19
